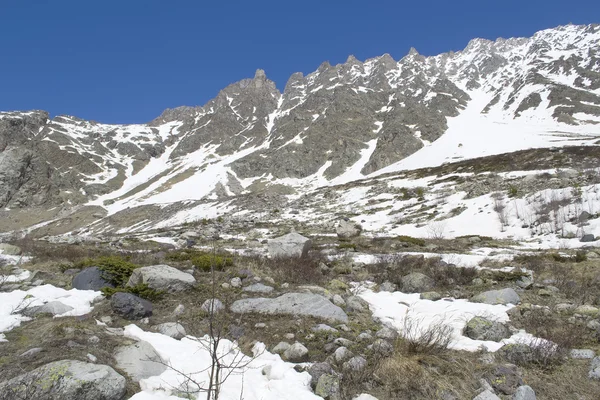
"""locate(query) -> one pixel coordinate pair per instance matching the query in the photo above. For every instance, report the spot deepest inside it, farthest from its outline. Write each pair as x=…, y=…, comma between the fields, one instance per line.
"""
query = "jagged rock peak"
x=324, y=66
x=413, y=52
x=352, y=60
x=260, y=75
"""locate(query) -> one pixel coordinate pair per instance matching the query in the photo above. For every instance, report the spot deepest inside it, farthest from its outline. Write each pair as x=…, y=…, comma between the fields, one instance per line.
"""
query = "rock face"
x=130, y=306
x=139, y=361
x=91, y=278
x=291, y=245
x=502, y=296
x=480, y=328
x=297, y=304
x=162, y=277
x=66, y=380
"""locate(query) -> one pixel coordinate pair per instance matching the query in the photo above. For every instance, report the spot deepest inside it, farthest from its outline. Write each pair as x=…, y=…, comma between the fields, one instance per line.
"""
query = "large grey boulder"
x=91, y=278
x=162, y=277
x=316, y=370
x=416, y=282
x=588, y=237
x=296, y=304
x=501, y=296
x=258, y=288
x=291, y=245
x=130, y=306
x=66, y=380
x=9, y=249
x=212, y=306
x=139, y=360
x=347, y=229
x=328, y=387
x=480, y=328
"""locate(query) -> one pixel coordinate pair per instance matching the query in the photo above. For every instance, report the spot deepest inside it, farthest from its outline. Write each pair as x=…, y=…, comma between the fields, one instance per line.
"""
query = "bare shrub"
x=299, y=270
x=436, y=229
x=500, y=209
x=420, y=339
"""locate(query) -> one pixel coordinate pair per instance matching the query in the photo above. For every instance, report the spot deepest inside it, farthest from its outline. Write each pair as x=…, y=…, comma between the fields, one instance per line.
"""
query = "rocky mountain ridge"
x=335, y=125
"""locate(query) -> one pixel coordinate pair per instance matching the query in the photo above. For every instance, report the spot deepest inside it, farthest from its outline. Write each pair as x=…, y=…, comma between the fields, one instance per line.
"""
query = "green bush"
x=350, y=246
x=205, y=261
x=580, y=256
x=411, y=240
x=117, y=270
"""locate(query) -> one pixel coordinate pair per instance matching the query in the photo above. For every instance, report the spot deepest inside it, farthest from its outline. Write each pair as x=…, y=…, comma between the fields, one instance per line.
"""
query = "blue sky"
x=126, y=61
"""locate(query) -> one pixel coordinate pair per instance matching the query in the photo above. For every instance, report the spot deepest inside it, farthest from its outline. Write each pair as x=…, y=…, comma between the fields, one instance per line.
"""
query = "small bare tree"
x=436, y=229
x=500, y=209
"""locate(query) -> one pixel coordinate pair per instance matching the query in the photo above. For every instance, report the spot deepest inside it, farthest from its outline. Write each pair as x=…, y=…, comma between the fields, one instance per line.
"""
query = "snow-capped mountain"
x=336, y=125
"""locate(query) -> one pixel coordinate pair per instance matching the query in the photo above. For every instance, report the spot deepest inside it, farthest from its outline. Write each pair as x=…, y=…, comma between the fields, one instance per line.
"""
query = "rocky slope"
x=253, y=146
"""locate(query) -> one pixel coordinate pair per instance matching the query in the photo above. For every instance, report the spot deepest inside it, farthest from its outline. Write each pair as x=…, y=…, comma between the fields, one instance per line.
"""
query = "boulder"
x=296, y=304
x=53, y=308
x=387, y=333
x=9, y=249
x=486, y=395
x=416, y=282
x=582, y=354
x=356, y=304
x=316, y=370
x=479, y=328
x=382, y=347
x=524, y=392
x=171, y=329
x=594, y=372
x=328, y=387
x=291, y=245
x=296, y=353
x=91, y=278
x=281, y=347
x=387, y=287
x=505, y=378
x=431, y=296
x=355, y=364
x=342, y=354
x=162, y=277
x=130, y=306
x=501, y=296
x=66, y=380
x=139, y=360
x=588, y=237
x=212, y=306
x=347, y=229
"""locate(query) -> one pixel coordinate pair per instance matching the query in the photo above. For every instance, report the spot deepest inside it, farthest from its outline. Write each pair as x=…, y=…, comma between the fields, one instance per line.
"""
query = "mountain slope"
x=335, y=125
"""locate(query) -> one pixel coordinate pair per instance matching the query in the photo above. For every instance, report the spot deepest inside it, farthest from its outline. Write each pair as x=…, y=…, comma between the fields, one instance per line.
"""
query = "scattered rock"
x=323, y=328
x=588, y=310
x=260, y=325
x=356, y=364
x=171, y=329
x=297, y=304
x=31, y=352
x=328, y=387
x=90, y=279
x=433, y=296
x=338, y=300
x=588, y=237
x=130, y=306
x=281, y=347
x=502, y=296
x=387, y=333
x=258, y=288
x=291, y=245
x=347, y=229
x=212, y=306
x=236, y=282
x=139, y=360
x=486, y=395
x=364, y=337
x=53, y=308
x=9, y=249
x=296, y=353
x=387, y=287
x=505, y=378
x=382, y=347
x=91, y=358
x=289, y=336
x=479, y=328
x=595, y=369
x=524, y=392
x=416, y=282
x=582, y=354
x=93, y=339
x=67, y=380
x=525, y=282
x=180, y=309
x=317, y=370
x=356, y=304
x=162, y=277
x=342, y=354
